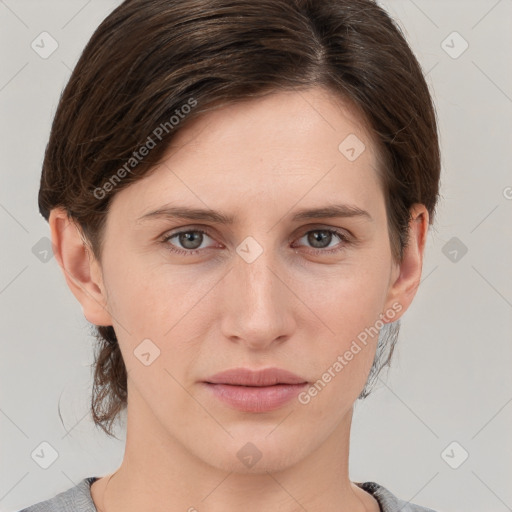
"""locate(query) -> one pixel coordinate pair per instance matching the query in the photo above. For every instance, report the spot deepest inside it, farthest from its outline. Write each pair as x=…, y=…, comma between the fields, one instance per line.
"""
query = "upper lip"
x=247, y=377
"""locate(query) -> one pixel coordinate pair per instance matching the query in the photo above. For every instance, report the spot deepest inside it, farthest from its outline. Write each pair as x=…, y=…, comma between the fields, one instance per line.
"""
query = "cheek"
x=160, y=303
x=153, y=312
x=344, y=355
x=347, y=299
x=350, y=305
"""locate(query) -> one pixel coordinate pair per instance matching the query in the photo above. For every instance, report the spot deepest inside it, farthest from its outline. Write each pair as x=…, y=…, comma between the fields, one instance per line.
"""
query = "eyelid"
x=324, y=227
x=171, y=234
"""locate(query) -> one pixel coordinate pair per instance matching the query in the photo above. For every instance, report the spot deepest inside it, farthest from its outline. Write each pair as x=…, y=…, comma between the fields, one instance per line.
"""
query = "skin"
x=261, y=161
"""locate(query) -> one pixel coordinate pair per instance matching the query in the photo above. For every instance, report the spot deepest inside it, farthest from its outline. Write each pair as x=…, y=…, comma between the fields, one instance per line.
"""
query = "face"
x=191, y=297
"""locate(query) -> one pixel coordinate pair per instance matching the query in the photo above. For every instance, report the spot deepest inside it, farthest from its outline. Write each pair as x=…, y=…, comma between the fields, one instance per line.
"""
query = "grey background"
x=451, y=376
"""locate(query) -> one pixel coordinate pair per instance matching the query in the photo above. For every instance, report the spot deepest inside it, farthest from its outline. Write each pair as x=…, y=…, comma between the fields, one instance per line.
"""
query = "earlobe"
x=81, y=270
x=407, y=277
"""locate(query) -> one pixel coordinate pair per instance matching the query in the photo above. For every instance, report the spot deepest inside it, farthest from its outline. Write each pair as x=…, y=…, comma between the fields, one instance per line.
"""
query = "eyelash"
x=342, y=236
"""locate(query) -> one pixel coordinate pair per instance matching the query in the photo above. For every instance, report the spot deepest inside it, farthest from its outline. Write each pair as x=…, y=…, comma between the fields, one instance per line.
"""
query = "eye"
x=191, y=240
x=320, y=240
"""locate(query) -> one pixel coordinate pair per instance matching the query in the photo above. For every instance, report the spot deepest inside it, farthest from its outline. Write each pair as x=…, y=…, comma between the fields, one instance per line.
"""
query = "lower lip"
x=256, y=399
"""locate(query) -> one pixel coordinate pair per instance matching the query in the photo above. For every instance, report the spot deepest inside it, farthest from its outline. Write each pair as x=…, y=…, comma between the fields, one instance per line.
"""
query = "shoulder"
x=77, y=498
x=388, y=502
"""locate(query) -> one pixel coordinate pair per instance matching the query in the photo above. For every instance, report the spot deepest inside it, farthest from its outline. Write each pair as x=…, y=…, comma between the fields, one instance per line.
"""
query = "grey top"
x=78, y=499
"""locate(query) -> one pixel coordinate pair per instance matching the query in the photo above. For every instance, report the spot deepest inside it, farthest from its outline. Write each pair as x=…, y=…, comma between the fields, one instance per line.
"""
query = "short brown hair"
x=149, y=58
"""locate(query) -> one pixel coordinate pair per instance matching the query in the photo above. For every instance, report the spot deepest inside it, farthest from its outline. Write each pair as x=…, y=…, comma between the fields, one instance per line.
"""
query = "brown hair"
x=150, y=58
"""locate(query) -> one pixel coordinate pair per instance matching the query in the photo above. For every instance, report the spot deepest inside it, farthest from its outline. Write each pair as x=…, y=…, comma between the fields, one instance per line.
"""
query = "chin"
x=252, y=452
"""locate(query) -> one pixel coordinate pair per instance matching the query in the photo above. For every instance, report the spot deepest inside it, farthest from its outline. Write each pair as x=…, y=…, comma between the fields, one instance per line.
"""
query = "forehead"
x=280, y=118
x=285, y=148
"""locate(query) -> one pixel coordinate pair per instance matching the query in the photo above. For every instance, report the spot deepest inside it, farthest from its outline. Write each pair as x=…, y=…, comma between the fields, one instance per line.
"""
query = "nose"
x=258, y=305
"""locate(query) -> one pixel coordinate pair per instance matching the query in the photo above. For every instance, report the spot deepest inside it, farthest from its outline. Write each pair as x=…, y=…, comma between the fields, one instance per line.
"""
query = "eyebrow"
x=201, y=214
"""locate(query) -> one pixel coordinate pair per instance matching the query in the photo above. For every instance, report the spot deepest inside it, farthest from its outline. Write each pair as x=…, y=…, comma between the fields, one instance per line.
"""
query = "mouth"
x=255, y=391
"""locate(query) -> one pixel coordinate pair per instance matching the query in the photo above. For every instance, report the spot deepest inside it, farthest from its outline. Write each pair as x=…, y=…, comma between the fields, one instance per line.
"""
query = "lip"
x=255, y=391
x=264, y=377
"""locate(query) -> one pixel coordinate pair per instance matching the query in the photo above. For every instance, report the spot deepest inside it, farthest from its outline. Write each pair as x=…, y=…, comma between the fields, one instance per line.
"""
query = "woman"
x=239, y=195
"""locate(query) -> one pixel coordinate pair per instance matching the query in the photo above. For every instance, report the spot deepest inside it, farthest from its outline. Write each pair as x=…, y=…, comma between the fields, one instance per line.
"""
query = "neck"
x=157, y=469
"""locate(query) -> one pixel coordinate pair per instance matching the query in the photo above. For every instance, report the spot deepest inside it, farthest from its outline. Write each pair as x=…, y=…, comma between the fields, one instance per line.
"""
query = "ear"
x=406, y=276
x=81, y=270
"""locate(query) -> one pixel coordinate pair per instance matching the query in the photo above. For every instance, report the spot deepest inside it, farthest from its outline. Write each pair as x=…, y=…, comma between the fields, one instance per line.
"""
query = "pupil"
x=188, y=238
x=318, y=236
